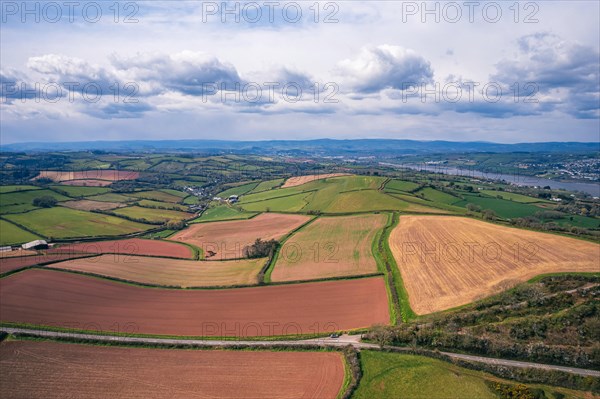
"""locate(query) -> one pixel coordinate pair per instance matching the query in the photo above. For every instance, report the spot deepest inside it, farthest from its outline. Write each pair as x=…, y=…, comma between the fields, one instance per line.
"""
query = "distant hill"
x=323, y=147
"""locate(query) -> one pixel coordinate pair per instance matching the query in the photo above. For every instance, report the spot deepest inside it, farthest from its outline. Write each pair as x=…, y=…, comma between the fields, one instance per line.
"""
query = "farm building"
x=233, y=199
x=37, y=244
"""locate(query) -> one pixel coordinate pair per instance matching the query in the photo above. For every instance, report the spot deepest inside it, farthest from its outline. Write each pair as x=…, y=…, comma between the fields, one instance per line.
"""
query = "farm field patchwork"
x=26, y=197
x=299, y=180
x=267, y=185
x=156, y=195
x=103, y=371
x=19, y=262
x=228, y=239
x=162, y=205
x=238, y=190
x=503, y=208
x=13, y=188
x=222, y=212
x=88, y=205
x=87, y=183
x=74, y=191
x=151, y=214
x=11, y=234
x=438, y=196
x=131, y=246
x=401, y=185
x=512, y=196
x=170, y=272
x=48, y=297
x=100, y=174
x=450, y=261
x=330, y=247
x=111, y=197
x=63, y=222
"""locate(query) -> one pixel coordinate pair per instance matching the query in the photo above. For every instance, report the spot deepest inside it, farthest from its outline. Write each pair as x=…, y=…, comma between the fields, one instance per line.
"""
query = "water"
x=592, y=189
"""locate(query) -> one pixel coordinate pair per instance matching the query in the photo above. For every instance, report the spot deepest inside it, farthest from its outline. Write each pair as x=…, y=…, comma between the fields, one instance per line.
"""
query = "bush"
x=45, y=201
x=260, y=249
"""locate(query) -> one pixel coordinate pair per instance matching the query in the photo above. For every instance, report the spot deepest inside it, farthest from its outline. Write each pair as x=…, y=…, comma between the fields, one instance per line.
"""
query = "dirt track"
x=228, y=239
x=58, y=370
x=48, y=297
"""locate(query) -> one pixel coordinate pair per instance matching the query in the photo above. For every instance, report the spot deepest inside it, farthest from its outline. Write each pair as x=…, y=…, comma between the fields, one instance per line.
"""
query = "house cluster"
x=232, y=199
x=32, y=245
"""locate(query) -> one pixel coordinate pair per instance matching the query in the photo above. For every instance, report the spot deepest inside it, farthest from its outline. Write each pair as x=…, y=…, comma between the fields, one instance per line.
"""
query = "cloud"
x=566, y=71
x=186, y=72
x=385, y=67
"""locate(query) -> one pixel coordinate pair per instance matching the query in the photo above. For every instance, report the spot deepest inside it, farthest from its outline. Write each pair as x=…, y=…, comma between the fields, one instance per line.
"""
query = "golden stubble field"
x=169, y=272
x=450, y=261
x=330, y=247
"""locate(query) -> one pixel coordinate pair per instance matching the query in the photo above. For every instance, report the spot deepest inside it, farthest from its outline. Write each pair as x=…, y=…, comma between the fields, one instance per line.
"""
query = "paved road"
x=344, y=340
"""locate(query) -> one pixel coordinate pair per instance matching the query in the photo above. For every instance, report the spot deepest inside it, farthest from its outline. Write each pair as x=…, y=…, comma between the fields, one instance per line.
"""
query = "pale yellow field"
x=450, y=261
x=330, y=247
x=170, y=272
x=299, y=180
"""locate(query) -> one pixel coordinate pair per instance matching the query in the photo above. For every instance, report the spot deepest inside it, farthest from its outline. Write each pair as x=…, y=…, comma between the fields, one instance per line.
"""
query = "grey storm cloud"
x=385, y=67
x=187, y=72
x=557, y=67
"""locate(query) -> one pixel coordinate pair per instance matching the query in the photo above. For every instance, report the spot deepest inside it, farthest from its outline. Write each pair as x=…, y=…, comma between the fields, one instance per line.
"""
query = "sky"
x=461, y=71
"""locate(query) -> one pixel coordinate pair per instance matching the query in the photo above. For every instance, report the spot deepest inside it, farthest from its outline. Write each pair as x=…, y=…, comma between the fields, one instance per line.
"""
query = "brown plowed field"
x=57, y=370
x=228, y=239
x=299, y=180
x=17, y=252
x=132, y=246
x=450, y=261
x=170, y=272
x=330, y=247
x=88, y=205
x=53, y=298
x=14, y=263
x=106, y=174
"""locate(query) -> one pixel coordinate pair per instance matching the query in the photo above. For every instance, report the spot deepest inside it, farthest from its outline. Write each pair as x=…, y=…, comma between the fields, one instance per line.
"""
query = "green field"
x=11, y=234
x=334, y=195
x=394, y=375
x=191, y=200
x=503, y=208
x=512, y=196
x=289, y=203
x=238, y=190
x=17, y=208
x=156, y=195
x=26, y=197
x=164, y=205
x=267, y=185
x=437, y=196
x=60, y=222
x=176, y=193
x=222, y=212
x=80, y=191
x=151, y=215
x=112, y=197
x=10, y=189
x=401, y=185
x=358, y=201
